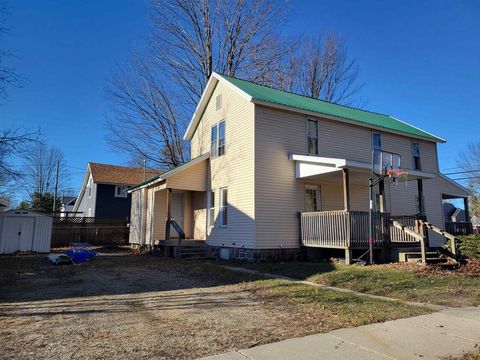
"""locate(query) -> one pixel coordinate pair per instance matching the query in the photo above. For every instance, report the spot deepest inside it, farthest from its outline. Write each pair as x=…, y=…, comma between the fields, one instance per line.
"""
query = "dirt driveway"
x=138, y=306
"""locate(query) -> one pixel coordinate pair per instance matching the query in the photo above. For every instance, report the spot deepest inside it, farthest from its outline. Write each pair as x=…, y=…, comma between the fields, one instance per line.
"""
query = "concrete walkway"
x=449, y=332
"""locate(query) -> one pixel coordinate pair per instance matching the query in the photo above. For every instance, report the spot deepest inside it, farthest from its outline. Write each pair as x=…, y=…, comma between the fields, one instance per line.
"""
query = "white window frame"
x=211, y=209
x=223, y=209
x=217, y=150
x=317, y=189
x=307, y=135
x=416, y=156
x=123, y=193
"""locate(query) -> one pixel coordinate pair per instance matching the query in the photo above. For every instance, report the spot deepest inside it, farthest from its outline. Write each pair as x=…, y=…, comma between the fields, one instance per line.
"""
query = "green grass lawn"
x=411, y=283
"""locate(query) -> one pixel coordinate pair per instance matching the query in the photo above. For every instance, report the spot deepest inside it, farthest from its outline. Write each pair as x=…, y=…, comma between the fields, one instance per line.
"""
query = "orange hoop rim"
x=396, y=172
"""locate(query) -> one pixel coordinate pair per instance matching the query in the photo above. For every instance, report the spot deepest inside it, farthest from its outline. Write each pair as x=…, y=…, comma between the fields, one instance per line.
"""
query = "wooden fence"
x=95, y=231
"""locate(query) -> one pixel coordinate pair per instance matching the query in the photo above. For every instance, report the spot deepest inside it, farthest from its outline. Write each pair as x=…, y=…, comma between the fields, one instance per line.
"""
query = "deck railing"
x=342, y=229
x=399, y=236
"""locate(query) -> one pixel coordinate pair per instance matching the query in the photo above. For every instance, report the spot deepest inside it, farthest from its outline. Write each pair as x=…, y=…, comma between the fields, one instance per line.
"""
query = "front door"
x=177, y=211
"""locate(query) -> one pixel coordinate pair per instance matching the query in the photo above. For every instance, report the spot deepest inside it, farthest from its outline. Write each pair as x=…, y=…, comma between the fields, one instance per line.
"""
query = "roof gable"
x=265, y=95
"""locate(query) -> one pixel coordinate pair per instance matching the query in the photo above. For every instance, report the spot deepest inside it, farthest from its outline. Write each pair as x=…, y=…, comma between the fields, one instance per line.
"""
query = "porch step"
x=432, y=257
x=194, y=252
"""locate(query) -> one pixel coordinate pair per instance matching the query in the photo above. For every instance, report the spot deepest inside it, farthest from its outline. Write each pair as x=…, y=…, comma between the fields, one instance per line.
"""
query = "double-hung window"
x=223, y=207
x=221, y=138
x=312, y=137
x=416, y=156
x=377, y=147
x=211, y=209
x=214, y=141
x=217, y=147
x=376, y=141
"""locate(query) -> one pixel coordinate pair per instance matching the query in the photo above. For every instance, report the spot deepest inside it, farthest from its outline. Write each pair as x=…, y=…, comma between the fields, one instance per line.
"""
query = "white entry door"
x=177, y=211
x=18, y=233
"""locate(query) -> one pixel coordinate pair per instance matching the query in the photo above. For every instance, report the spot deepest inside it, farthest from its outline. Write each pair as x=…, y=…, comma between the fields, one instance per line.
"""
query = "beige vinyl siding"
x=279, y=195
x=234, y=170
x=193, y=178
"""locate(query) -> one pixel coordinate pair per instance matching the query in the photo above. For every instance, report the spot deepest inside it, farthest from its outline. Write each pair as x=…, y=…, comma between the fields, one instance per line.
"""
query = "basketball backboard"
x=385, y=161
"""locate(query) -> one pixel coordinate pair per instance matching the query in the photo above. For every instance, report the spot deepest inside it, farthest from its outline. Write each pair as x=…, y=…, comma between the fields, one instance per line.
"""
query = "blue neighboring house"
x=104, y=190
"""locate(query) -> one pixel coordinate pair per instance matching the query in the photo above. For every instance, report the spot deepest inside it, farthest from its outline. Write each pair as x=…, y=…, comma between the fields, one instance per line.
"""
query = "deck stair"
x=433, y=257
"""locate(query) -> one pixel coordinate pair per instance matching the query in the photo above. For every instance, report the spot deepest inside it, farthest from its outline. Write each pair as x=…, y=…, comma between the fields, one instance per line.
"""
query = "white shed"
x=25, y=230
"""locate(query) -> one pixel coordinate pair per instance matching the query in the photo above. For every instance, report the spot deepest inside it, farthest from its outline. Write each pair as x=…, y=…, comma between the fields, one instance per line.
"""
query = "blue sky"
x=420, y=61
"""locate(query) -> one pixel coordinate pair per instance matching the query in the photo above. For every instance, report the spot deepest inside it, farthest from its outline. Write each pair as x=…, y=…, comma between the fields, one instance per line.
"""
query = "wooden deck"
x=342, y=229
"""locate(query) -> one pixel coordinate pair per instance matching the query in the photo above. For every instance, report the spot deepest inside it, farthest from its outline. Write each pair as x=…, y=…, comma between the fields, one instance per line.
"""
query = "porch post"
x=467, y=209
x=381, y=195
x=346, y=190
x=169, y=215
x=421, y=206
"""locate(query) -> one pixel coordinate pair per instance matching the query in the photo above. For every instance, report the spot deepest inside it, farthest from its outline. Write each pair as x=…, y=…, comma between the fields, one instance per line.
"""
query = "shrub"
x=468, y=246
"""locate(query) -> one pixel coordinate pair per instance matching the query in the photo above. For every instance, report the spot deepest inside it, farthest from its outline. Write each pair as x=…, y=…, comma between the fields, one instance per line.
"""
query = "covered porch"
x=346, y=224
x=175, y=207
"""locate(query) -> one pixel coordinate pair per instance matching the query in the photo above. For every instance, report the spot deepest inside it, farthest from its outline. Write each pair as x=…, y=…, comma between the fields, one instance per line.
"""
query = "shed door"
x=18, y=233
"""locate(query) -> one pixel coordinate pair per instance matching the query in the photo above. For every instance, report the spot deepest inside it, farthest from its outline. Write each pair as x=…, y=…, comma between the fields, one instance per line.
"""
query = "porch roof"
x=309, y=166
x=169, y=174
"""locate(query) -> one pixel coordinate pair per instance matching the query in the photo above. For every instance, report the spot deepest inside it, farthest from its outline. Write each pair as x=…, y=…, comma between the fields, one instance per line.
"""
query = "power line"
x=465, y=178
x=462, y=172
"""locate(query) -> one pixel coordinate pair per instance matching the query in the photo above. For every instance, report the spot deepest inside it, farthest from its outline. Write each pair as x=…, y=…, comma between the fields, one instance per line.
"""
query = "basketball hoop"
x=397, y=174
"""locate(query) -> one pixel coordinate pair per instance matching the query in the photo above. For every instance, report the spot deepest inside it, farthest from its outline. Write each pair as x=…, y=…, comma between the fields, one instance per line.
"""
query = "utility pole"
x=144, y=169
x=56, y=187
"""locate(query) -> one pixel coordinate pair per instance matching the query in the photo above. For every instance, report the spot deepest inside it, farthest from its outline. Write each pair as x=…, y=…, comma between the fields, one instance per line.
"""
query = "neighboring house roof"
x=119, y=175
x=4, y=202
x=68, y=200
x=169, y=173
x=265, y=95
x=112, y=175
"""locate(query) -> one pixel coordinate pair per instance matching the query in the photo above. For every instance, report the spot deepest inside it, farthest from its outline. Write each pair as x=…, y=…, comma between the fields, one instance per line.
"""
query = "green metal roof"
x=279, y=97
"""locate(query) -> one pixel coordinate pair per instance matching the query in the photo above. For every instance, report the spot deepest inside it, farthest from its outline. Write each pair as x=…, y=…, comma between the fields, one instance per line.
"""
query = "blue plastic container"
x=80, y=255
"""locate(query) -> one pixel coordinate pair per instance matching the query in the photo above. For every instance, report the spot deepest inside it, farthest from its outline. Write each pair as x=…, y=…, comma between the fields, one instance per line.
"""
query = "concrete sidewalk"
x=450, y=332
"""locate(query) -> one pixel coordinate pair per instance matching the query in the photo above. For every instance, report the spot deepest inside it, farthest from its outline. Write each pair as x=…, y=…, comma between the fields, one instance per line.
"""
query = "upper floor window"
x=217, y=147
x=121, y=191
x=312, y=137
x=376, y=141
x=223, y=207
x=416, y=156
x=218, y=102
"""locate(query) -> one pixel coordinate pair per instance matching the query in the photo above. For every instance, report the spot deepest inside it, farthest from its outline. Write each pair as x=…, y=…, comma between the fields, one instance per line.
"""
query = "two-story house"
x=264, y=159
x=104, y=190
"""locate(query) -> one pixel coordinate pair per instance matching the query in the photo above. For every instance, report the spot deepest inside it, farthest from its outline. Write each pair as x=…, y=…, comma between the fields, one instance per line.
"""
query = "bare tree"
x=469, y=161
x=13, y=142
x=156, y=93
x=8, y=76
x=320, y=68
x=192, y=38
x=147, y=124
x=39, y=168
